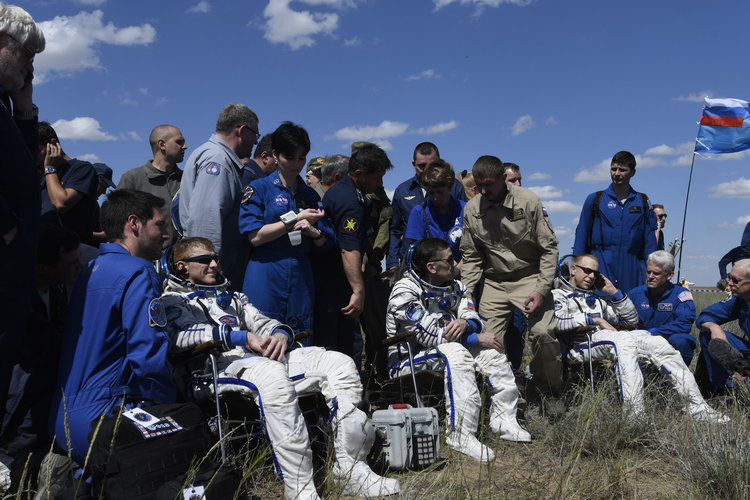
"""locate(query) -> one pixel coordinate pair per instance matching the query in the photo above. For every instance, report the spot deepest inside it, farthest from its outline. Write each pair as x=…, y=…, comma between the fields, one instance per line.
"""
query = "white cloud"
x=546, y=192
x=133, y=136
x=91, y=3
x=480, y=4
x=742, y=221
x=597, y=173
x=697, y=97
x=663, y=149
x=563, y=231
x=200, y=8
x=538, y=176
x=72, y=42
x=426, y=75
x=296, y=29
x=338, y=4
x=353, y=42
x=739, y=188
x=438, y=128
x=523, y=124
x=82, y=127
x=561, y=207
x=384, y=130
x=649, y=161
x=551, y=121
x=89, y=157
x=390, y=193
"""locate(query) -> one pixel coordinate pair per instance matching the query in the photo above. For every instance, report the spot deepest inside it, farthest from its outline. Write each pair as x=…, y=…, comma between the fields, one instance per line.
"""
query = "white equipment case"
x=411, y=436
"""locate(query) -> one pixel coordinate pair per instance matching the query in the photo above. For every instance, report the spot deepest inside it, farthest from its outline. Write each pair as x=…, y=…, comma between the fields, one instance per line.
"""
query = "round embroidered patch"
x=156, y=314
x=414, y=312
x=350, y=224
x=247, y=194
x=281, y=200
x=612, y=204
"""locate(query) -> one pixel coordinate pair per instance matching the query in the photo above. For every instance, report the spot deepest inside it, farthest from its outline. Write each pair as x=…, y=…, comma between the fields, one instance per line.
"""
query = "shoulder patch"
x=156, y=314
x=685, y=296
x=213, y=168
x=544, y=211
x=247, y=194
x=414, y=312
x=350, y=224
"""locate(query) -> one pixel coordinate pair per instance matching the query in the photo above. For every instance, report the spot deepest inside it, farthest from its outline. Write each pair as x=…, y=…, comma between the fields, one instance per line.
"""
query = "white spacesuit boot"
x=463, y=406
x=354, y=435
x=503, y=417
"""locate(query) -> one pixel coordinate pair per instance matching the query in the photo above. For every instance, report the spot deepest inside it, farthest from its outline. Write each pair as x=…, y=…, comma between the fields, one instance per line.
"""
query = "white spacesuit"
x=576, y=310
x=199, y=313
x=424, y=309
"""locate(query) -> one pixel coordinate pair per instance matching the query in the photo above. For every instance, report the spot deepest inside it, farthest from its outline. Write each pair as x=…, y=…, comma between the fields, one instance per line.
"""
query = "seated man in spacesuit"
x=257, y=362
x=589, y=321
x=450, y=336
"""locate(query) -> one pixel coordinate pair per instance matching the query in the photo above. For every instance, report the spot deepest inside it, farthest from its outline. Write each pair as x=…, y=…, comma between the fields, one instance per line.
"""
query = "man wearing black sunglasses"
x=720, y=349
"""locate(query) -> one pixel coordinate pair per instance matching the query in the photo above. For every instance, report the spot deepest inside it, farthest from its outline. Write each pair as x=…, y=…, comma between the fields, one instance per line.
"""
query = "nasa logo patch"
x=663, y=307
x=247, y=194
x=454, y=235
x=645, y=305
x=281, y=200
x=229, y=320
x=612, y=204
x=213, y=168
x=156, y=314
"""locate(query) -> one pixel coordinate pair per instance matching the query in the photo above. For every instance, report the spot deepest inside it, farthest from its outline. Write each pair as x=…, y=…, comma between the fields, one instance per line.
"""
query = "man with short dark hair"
x=512, y=173
x=664, y=308
x=114, y=348
x=339, y=270
x=160, y=175
x=261, y=164
x=211, y=189
x=408, y=195
x=69, y=188
x=618, y=226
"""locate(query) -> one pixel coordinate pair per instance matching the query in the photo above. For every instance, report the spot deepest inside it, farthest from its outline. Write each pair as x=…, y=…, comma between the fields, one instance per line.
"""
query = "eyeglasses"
x=734, y=279
x=586, y=270
x=420, y=165
x=29, y=53
x=202, y=259
x=661, y=216
x=257, y=134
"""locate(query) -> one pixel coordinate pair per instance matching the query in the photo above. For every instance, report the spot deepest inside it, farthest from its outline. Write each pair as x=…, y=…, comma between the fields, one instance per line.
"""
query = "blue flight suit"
x=114, y=346
x=730, y=309
x=278, y=277
x=408, y=195
x=622, y=236
x=670, y=315
x=426, y=221
x=348, y=212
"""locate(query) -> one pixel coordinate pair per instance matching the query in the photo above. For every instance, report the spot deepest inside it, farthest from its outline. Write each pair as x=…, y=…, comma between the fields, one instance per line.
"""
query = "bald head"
x=168, y=146
x=161, y=132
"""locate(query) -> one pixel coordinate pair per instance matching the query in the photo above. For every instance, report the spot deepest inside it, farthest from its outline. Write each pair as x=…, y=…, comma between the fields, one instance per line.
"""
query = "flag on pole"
x=724, y=127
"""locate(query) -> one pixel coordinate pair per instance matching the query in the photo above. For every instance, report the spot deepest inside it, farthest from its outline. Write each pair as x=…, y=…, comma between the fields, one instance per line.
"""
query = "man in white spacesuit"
x=256, y=362
x=449, y=336
x=582, y=313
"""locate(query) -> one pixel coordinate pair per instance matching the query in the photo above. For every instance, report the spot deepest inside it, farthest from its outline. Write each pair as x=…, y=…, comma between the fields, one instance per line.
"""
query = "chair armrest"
x=396, y=339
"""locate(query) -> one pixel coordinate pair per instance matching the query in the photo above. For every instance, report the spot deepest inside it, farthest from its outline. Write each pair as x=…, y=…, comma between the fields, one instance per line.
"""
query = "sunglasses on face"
x=587, y=270
x=734, y=279
x=202, y=259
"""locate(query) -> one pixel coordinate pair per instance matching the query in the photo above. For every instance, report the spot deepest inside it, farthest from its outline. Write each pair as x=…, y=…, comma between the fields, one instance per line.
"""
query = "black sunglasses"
x=202, y=259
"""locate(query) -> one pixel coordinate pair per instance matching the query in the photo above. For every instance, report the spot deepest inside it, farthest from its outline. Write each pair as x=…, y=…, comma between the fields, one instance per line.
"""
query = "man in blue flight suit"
x=618, y=226
x=737, y=308
x=114, y=347
x=340, y=295
x=664, y=308
x=408, y=195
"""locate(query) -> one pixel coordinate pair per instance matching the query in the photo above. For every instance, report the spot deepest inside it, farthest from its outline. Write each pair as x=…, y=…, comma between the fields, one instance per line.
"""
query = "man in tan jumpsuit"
x=508, y=241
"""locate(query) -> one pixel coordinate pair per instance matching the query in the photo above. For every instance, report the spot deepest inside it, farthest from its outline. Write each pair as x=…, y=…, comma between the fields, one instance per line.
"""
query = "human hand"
x=455, y=329
x=603, y=324
x=533, y=303
x=272, y=347
x=22, y=98
x=53, y=157
x=355, y=306
x=311, y=215
x=489, y=340
x=608, y=287
x=306, y=228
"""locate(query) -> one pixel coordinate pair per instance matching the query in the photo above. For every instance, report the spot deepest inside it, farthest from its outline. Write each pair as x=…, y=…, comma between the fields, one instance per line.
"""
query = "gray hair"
x=234, y=115
x=334, y=164
x=663, y=259
x=744, y=264
x=17, y=23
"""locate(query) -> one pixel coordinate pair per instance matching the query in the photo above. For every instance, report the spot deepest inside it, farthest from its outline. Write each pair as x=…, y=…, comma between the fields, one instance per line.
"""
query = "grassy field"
x=593, y=452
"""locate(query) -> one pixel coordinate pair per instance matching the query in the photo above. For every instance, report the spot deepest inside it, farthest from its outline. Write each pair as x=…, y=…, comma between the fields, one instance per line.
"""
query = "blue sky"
x=556, y=86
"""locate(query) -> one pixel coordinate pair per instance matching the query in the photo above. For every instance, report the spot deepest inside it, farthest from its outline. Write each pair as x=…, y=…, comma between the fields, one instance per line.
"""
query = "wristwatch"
x=289, y=219
x=50, y=170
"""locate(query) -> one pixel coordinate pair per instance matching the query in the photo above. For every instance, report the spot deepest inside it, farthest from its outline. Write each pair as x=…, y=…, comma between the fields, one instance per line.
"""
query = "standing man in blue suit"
x=618, y=226
x=408, y=195
x=664, y=308
x=114, y=347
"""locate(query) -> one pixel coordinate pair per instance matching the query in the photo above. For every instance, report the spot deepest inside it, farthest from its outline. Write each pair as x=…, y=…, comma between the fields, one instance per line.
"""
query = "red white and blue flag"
x=724, y=127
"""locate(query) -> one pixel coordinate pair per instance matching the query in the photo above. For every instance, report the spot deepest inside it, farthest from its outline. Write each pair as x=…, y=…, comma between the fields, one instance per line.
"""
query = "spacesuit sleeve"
x=147, y=342
x=621, y=311
x=467, y=310
x=410, y=315
x=567, y=315
x=583, y=230
x=260, y=324
x=186, y=323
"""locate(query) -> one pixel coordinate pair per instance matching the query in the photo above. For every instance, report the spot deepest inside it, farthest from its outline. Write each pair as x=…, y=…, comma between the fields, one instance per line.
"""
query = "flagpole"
x=684, y=217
